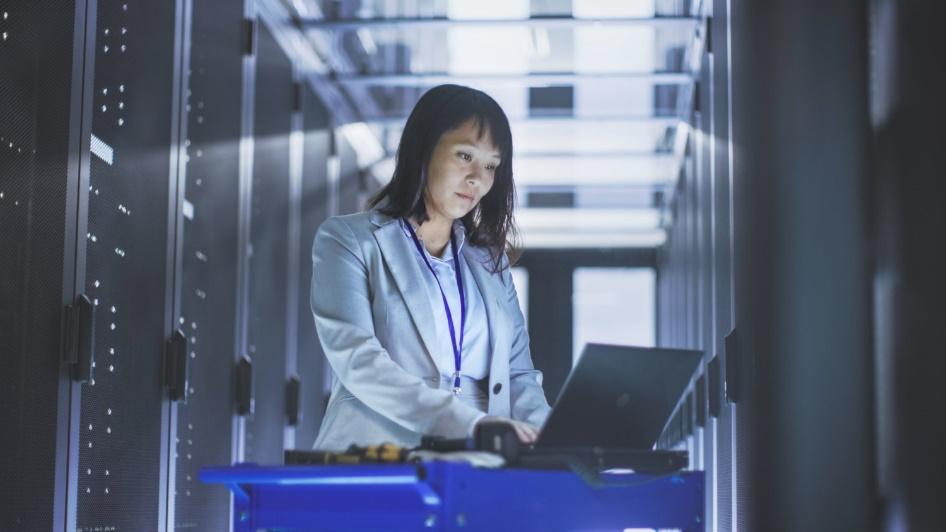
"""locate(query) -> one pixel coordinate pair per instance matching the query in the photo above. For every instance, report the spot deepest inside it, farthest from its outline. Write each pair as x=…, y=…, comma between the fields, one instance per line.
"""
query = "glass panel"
x=613, y=306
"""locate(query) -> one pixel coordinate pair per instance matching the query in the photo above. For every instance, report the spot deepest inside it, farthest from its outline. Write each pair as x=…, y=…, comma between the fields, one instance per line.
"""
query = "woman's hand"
x=527, y=433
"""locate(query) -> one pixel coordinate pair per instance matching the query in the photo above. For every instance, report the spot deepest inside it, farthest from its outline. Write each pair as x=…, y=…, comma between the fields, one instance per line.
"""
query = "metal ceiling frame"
x=602, y=155
x=550, y=21
x=676, y=120
x=664, y=120
x=530, y=79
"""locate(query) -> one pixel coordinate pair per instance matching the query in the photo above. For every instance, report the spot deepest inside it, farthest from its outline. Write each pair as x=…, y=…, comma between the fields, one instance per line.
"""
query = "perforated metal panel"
x=120, y=424
x=311, y=361
x=209, y=262
x=269, y=229
x=36, y=59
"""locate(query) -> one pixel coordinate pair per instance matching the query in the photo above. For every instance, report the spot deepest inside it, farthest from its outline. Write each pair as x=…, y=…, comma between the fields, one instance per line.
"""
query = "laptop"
x=618, y=397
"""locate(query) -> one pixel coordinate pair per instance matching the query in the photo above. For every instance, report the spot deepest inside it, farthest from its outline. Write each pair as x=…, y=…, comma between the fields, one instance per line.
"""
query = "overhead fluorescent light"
x=608, y=228
x=540, y=42
x=487, y=9
x=538, y=220
x=306, y=8
x=383, y=170
x=645, y=239
x=595, y=170
x=367, y=41
x=612, y=9
x=587, y=136
x=615, y=49
x=368, y=149
x=485, y=51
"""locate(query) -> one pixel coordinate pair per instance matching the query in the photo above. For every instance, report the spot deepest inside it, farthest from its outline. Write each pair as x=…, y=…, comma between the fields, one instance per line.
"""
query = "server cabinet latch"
x=244, y=386
x=175, y=366
x=293, y=387
x=249, y=36
x=78, y=338
x=734, y=368
x=708, y=39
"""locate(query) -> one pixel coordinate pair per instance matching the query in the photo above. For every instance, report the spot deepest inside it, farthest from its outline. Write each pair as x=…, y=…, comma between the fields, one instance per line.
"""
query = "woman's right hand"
x=527, y=433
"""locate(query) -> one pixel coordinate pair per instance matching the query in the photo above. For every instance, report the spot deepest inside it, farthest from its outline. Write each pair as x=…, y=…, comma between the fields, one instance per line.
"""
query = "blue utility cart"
x=454, y=496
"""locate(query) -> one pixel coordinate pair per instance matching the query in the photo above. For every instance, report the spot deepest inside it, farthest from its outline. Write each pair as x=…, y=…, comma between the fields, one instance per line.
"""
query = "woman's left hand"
x=525, y=432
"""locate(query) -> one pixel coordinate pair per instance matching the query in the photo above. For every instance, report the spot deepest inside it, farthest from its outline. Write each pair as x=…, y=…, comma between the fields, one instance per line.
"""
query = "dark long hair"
x=490, y=224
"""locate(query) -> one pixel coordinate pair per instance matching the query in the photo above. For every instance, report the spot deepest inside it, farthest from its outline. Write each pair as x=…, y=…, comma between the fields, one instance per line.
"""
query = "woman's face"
x=460, y=172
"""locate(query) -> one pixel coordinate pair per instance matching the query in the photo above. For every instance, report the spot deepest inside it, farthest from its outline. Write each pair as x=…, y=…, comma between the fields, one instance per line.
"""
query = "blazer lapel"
x=495, y=315
x=401, y=263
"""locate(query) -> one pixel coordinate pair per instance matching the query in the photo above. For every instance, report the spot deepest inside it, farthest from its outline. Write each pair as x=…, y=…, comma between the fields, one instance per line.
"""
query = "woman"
x=413, y=300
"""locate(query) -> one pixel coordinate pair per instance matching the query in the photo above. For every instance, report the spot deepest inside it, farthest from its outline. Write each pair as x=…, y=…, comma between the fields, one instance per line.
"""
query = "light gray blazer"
x=374, y=321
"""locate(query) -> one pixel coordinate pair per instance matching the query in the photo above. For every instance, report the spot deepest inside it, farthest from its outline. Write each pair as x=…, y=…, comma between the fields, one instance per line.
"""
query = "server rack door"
x=708, y=179
x=204, y=425
x=311, y=361
x=120, y=431
x=269, y=229
x=40, y=107
x=725, y=426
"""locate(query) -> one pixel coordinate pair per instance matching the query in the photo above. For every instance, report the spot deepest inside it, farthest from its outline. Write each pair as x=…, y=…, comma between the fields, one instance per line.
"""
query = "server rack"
x=124, y=200
x=202, y=428
x=746, y=265
x=802, y=265
x=731, y=428
x=127, y=267
x=269, y=251
x=44, y=140
x=314, y=210
x=695, y=280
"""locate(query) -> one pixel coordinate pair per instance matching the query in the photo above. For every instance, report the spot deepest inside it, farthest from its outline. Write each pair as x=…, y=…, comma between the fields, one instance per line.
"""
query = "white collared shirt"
x=475, y=356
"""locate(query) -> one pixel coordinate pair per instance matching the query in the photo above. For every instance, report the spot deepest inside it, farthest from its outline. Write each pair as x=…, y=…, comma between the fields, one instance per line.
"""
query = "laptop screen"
x=618, y=396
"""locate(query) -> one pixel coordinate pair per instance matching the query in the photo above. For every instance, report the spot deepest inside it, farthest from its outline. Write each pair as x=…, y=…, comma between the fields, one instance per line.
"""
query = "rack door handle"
x=175, y=366
x=244, y=386
x=293, y=388
x=78, y=338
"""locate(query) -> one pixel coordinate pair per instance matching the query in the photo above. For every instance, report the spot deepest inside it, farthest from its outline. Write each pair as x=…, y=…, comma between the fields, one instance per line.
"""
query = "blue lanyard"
x=457, y=349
